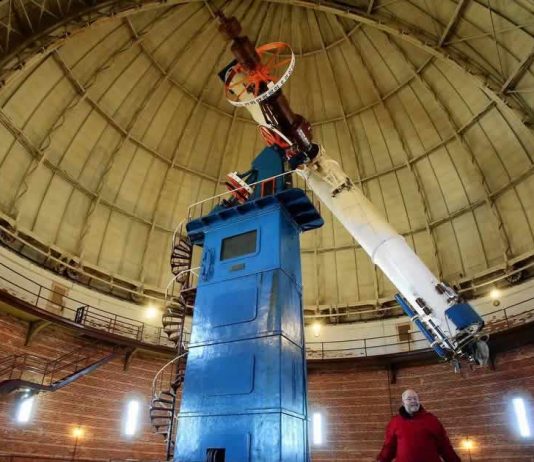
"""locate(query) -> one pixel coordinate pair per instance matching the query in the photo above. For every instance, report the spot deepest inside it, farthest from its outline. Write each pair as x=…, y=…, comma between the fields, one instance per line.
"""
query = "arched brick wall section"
x=357, y=405
x=96, y=402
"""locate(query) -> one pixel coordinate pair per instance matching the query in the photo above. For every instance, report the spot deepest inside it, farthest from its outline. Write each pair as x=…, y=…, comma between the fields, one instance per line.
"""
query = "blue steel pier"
x=244, y=395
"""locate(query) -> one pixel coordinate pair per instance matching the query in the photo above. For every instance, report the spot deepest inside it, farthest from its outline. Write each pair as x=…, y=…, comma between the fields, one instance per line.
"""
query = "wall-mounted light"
x=131, y=418
x=77, y=432
x=468, y=444
x=495, y=294
x=521, y=416
x=24, y=409
x=317, y=428
x=316, y=328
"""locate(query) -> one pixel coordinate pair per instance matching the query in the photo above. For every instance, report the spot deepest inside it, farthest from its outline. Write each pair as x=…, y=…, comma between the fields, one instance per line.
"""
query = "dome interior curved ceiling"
x=109, y=138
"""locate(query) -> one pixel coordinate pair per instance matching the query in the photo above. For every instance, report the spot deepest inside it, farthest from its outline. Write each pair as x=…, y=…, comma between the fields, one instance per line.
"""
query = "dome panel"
x=130, y=125
x=149, y=190
x=309, y=278
x=23, y=104
x=450, y=183
x=13, y=171
x=7, y=139
x=94, y=224
x=494, y=244
x=133, y=255
x=33, y=196
x=423, y=243
x=70, y=130
x=122, y=166
x=101, y=64
x=328, y=286
x=79, y=54
x=49, y=215
x=517, y=226
x=437, y=207
x=92, y=131
x=346, y=272
x=394, y=202
x=413, y=199
x=516, y=161
x=449, y=251
x=99, y=158
x=111, y=249
x=469, y=241
x=70, y=231
x=366, y=274
x=525, y=191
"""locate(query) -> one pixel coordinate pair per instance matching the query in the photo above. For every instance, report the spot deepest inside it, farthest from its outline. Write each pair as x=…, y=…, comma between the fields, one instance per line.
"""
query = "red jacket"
x=416, y=438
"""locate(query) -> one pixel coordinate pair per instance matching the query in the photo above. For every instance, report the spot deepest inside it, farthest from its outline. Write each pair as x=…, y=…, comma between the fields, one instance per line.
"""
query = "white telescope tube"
x=387, y=249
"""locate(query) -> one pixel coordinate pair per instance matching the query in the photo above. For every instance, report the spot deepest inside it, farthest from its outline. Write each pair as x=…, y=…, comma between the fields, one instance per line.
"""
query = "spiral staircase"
x=179, y=301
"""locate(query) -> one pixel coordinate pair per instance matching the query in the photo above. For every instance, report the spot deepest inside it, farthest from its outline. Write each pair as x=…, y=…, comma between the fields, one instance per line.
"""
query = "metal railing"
x=496, y=321
x=165, y=375
x=46, y=371
x=59, y=304
x=99, y=319
x=42, y=297
x=200, y=208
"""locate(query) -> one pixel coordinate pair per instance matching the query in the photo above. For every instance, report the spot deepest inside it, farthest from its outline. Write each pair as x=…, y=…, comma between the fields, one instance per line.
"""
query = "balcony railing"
x=43, y=298
x=59, y=304
x=496, y=321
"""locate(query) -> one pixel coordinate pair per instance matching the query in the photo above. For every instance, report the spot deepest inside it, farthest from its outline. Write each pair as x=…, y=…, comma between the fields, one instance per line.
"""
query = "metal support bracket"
x=34, y=328
x=128, y=357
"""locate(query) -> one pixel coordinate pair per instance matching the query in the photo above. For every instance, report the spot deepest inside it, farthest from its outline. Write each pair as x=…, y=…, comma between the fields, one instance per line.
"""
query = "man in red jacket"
x=416, y=435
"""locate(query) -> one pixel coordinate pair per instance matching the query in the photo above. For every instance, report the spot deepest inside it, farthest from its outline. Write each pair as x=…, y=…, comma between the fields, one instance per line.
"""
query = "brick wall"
x=95, y=402
x=357, y=405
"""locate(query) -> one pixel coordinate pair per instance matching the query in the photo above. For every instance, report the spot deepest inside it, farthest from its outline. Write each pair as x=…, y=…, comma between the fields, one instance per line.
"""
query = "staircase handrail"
x=47, y=368
x=154, y=381
x=13, y=356
x=175, y=279
x=177, y=230
x=13, y=362
x=75, y=363
x=69, y=354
